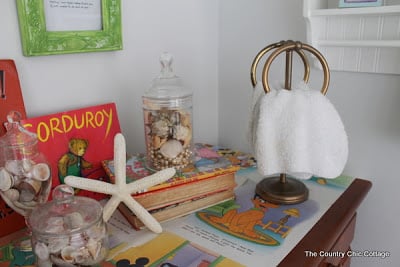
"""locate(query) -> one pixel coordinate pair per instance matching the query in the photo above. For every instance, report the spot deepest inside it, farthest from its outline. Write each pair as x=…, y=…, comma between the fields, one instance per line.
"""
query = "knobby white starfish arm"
x=91, y=185
x=120, y=191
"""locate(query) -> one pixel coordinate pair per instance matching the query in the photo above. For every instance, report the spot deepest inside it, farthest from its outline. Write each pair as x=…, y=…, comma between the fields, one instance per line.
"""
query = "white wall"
x=214, y=43
x=187, y=29
x=369, y=105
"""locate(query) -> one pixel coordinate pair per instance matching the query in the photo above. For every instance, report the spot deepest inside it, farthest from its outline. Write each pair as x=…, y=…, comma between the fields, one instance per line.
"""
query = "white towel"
x=297, y=132
x=258, y=92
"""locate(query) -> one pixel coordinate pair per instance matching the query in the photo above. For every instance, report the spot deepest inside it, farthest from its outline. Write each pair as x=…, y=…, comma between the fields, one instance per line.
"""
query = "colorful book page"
x=75, y=142
x=250, y=230
x=169, y=250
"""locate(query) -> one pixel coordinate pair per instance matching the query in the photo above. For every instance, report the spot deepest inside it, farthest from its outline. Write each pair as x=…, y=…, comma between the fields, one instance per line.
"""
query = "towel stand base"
x=273, y=190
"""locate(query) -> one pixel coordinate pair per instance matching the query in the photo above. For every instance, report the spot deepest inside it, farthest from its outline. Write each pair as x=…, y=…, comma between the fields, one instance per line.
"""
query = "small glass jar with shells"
x=25, y=176
x=69, y=230
x=167, y=111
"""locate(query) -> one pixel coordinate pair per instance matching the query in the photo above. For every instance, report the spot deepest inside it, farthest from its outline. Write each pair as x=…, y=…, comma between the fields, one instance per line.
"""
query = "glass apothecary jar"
x=69, y=230
x=25, y=176
x=167, y=111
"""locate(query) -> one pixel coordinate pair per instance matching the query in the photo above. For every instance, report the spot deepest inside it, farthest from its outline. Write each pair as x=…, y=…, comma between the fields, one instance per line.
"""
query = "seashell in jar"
x=28, y=189
x=182, y=133
x=74, y=220
x=188, y=139
x=81, y=255
x=185, y=119
x=158, y=141
x=149, y=118
x=15, y=167
x=100, y=256
x=171, y=148
x=42, y=251
x=6, y=179
x=67, y=254
x=160, y=128
x=40, y=172
x=26, y=165
x=77, y=240
x=94, y=248
x=12, y=194
x=60, y=262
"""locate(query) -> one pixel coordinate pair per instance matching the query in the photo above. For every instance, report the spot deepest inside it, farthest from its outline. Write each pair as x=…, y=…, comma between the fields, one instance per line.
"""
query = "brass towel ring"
x=297, y=46
x=266, y=50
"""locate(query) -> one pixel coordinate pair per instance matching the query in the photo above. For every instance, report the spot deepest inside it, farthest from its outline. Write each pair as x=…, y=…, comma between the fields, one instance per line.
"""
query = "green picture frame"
x=37, y=41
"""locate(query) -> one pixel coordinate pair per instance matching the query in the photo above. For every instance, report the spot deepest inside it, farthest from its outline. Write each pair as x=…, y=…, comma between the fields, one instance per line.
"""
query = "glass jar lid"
x=66, y=214
x=167, y=85
x=16, y=136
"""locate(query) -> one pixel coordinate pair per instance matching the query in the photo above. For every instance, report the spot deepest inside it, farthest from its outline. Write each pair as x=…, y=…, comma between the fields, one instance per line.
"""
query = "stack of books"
x=210, y=181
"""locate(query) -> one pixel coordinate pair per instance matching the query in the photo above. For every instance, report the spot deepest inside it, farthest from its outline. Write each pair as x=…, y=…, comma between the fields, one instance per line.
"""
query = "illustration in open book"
x=170, y=250
x=251, y=218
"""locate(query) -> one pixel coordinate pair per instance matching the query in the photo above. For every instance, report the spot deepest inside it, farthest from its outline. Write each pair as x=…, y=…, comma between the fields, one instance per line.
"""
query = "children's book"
x=75, y=142
x=209, y=161
x=254, y=232
x=168, y=250
x=179, y=209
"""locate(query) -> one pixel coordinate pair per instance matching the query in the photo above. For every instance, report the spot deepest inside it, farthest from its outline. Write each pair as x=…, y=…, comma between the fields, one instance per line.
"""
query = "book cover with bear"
x=75, y=142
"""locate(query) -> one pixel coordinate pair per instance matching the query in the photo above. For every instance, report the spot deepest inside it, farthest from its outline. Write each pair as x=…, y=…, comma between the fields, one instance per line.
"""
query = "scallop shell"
x=171, y=148
x=6, y=180
x=42, y=251
x=41, y=172
x=12, y=194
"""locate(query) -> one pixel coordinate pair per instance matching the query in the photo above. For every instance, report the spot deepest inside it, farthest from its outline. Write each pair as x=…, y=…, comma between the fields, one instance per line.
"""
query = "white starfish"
x=121, y=191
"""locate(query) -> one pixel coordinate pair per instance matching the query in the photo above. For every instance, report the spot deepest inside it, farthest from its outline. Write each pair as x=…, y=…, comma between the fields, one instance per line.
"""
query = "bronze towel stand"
x=283, y=189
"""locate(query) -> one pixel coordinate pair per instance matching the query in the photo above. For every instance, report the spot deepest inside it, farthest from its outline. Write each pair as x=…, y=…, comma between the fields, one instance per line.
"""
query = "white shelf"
x=359, y=43
x=367, y=11
x=365, y=39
